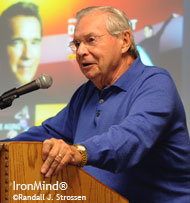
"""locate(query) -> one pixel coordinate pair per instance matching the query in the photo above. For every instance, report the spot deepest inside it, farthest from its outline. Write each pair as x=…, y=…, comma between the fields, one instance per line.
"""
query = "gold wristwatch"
x=83, y=152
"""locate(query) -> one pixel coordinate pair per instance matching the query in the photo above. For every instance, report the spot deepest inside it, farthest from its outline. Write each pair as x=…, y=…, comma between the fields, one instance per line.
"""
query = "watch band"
x=83, y=152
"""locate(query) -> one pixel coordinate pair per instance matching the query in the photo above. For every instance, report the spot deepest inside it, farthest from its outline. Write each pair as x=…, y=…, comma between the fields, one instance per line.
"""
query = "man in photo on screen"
x=20, y=43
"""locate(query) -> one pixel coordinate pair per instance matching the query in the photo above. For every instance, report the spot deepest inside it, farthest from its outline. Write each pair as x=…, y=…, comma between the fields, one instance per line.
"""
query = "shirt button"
x=101, y=101
x=97, y=113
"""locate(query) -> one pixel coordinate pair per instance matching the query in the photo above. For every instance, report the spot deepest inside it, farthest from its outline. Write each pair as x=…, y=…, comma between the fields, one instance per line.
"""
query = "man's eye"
x=16, y=42
x=36, y=42
x=91, y=39
x=77, y=44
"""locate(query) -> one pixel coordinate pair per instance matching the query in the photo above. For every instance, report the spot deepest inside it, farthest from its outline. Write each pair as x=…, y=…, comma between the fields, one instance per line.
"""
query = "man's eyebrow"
x=38, y=39
x=16, y=38
x=90, y=34
x=22, y=39
x=85, y=36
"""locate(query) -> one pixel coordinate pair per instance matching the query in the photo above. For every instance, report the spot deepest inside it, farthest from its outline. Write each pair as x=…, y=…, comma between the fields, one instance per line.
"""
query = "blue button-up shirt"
x=135, y=134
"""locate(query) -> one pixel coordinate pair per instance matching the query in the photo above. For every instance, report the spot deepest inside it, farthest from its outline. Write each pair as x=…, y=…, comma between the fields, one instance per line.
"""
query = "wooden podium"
x=21, y=180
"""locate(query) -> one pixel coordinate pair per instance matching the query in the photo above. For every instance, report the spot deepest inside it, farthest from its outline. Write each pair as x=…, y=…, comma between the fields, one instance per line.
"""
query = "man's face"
x=23, y=48
x=98, y=61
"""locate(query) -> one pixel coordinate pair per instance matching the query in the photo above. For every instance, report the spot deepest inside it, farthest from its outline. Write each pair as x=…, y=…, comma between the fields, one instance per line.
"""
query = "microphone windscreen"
x=44, y=81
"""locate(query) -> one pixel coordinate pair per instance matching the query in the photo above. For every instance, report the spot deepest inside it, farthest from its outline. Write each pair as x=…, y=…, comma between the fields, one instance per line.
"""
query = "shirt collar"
x=130, y=76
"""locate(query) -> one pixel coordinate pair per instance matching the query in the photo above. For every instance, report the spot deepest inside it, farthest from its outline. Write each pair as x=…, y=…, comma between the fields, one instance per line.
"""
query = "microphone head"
x=44, y=81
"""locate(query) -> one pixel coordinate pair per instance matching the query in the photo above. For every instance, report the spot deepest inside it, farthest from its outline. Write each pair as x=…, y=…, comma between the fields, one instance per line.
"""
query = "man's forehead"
x=85, y=35
x=25, y=27
x=90, y=24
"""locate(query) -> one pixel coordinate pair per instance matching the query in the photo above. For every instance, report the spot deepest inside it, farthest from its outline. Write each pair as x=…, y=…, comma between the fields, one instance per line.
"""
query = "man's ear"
x=127, y=40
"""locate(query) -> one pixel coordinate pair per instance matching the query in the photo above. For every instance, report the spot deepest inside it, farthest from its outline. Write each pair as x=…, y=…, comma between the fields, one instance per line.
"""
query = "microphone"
x=42, y=82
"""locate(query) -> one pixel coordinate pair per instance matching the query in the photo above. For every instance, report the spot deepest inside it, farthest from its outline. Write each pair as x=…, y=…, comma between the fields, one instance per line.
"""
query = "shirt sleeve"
x=155, y=104
x=58, y=127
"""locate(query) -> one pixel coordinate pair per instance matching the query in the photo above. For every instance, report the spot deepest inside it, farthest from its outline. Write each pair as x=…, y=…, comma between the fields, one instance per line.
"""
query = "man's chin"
x=25, y=79
x=90, y=76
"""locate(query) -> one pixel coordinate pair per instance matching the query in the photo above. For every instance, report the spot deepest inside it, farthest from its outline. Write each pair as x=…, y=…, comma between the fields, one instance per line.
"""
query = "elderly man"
x=127, y=124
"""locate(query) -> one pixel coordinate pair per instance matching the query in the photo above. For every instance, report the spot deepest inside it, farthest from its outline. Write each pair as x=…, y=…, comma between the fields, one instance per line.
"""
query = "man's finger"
x=50, y=157
x=47, y=145
x=68, y=158
x=53, y=167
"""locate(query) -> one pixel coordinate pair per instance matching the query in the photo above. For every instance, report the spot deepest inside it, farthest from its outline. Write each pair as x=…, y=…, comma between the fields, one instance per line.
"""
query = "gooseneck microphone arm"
x=42, y=82
x=7, y=101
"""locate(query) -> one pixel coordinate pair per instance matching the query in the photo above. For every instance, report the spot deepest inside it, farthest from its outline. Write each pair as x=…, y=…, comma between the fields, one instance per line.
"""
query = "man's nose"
x=82, y=49
x=27, y=52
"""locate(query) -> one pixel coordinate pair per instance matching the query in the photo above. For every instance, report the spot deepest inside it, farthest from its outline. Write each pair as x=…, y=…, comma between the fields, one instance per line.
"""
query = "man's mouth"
x=24, y=67
x=86, y=64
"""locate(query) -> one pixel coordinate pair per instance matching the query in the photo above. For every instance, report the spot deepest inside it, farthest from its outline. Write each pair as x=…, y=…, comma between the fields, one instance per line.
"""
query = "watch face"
x=82, y=148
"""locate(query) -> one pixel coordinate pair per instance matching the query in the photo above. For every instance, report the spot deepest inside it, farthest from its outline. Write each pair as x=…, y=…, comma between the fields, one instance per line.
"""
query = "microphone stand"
x=42, y=82
x=6, y=101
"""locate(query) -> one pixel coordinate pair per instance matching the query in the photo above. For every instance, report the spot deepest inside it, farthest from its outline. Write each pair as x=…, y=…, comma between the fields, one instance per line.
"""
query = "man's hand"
x=56, y=154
